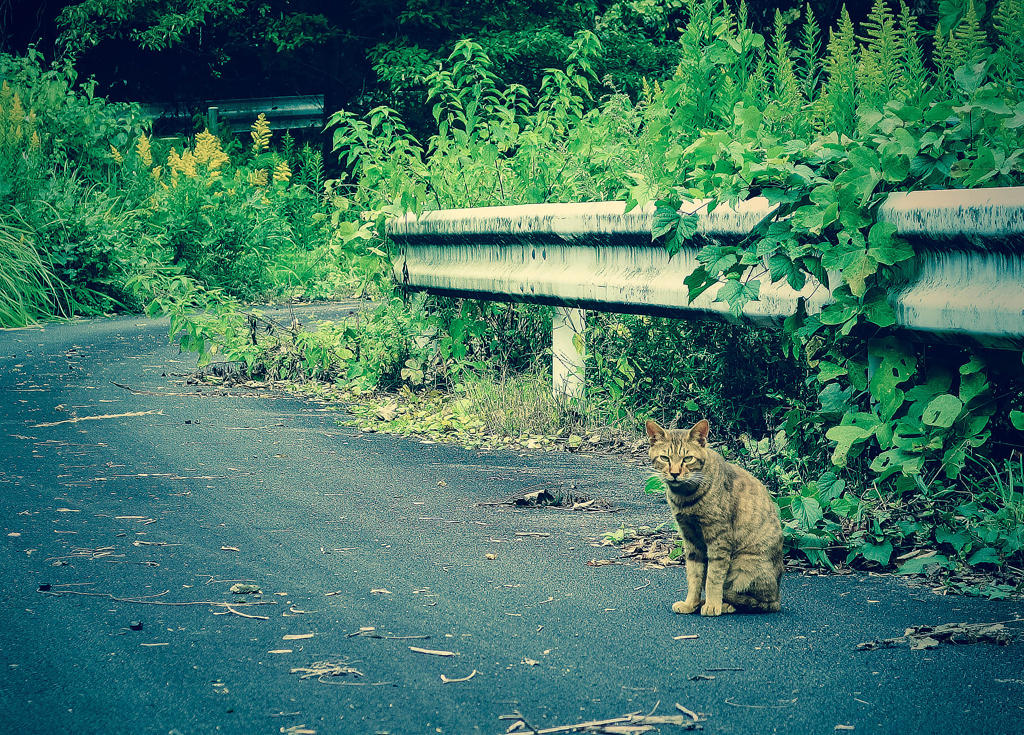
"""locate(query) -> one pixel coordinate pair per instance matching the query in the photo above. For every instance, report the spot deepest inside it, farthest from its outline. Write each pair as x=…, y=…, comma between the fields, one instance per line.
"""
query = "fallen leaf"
x=531, y=662
x=432, y=653
x=67, y=510
x=281, y=650
x=297, y=636
x=229, y=548
x=442, y=483
x=446, y=680
x=381, y=591
x=843, y=727
x=490, y=557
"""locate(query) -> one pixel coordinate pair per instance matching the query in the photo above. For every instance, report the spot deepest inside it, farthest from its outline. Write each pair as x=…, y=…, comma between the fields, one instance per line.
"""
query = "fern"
x=915, y=74
x=1008, y=62
x=838, y=103
x=879, y=74
x=963, y=45
x=970, y=37
x=786, y=88
x=808, y=56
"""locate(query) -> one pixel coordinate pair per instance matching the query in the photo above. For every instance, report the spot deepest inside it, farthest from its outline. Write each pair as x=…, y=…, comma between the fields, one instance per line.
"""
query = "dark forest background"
x=357, y=53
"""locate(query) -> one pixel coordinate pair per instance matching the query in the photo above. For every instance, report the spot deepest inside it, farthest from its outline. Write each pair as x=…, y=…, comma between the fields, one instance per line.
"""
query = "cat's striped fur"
x=729, y=524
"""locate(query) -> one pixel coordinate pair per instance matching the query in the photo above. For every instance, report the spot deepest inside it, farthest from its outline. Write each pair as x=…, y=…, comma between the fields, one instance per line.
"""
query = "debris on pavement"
x=446, y=680
x=229, y=609
x=430, y=652
x=555, y=495
x=246, y=589
x=320, y=669
x=634, y=722
x=925, y=637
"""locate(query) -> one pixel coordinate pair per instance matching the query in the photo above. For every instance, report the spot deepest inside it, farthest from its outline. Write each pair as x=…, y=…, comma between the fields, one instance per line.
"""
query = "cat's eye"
x=663, y=458
x=689, y=460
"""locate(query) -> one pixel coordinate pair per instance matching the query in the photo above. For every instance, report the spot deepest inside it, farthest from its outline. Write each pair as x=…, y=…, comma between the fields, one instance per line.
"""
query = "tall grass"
x=28, y=289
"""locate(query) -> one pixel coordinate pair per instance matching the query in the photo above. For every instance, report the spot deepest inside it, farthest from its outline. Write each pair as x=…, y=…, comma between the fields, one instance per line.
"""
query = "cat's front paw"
x=712, y=609
x=685, y=607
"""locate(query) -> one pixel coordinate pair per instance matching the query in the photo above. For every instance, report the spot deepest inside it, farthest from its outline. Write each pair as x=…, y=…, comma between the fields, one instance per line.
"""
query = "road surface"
x=149, y=504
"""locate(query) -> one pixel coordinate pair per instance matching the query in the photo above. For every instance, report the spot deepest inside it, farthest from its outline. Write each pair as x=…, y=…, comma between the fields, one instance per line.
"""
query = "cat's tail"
x=749, y=603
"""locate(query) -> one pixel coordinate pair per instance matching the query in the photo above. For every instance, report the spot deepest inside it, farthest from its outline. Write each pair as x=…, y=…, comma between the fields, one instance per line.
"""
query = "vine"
x=826, y=151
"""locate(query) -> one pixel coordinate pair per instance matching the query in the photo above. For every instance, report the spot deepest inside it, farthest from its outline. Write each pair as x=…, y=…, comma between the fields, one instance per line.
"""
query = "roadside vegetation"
x=917, y=467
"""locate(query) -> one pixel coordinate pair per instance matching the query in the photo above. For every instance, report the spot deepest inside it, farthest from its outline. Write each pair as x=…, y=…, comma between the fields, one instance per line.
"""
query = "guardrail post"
x=212, y=120
x=567, y=366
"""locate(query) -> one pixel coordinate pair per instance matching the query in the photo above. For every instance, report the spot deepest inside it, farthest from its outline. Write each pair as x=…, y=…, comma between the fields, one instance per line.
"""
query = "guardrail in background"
x=964, y=286
x=238, y=115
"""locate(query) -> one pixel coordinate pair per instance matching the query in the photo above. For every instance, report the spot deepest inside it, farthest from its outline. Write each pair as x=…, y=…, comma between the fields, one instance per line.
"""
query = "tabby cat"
x=730, y=525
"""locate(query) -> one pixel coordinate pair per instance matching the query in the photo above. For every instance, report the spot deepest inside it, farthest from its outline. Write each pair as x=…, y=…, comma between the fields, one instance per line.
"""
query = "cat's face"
x=679, y=455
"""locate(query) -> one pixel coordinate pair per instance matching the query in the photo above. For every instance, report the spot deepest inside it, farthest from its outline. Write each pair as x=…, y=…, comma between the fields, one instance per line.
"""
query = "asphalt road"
x=168, y=494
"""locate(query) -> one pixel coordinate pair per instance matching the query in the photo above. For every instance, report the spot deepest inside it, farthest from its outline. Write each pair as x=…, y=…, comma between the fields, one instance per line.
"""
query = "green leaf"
x=845, y=438
x=666, y=217
x=885, y=247
x=654, y=486
x=918, y=564
x=781, y=266
x=807, y=511
x=969, y=77
x=972, y=386
x=880, y=312
x=973, y=365
x=880, y=553
x=738, y=294
x=856, y=274
x=1017, y=419
x=984, y=555
x=829, y=371
x=839, y=312
x=957, y=539
x=698, y=282
x=834, y=399
x=687, y=226
x=857, y=184
x=942, y=412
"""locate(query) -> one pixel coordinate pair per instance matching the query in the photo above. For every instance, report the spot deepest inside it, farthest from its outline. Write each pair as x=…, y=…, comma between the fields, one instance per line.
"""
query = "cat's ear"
x=699, y=432
x=654, y=432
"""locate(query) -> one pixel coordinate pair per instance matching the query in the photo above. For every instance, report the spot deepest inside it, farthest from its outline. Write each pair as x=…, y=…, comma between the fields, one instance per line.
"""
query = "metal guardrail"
x=238, y=115
x=965, y=285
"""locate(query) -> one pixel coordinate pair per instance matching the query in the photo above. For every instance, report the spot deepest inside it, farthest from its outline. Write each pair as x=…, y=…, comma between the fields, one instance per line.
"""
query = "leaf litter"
x=925, y=637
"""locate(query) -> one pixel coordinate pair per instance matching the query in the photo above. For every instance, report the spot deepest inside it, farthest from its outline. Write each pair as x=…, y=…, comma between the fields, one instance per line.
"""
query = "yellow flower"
x=260, y=134
x=282, y=172
x=143, y=151
x=155, y=173
x=258, y=177
x=209, y=152
x=17, y=113
x=188, y=163
x=35, y=143
x=174, y=161
x=116, y=155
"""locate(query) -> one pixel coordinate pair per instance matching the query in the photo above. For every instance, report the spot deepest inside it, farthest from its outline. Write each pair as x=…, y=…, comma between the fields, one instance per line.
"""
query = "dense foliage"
x=910, y=460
